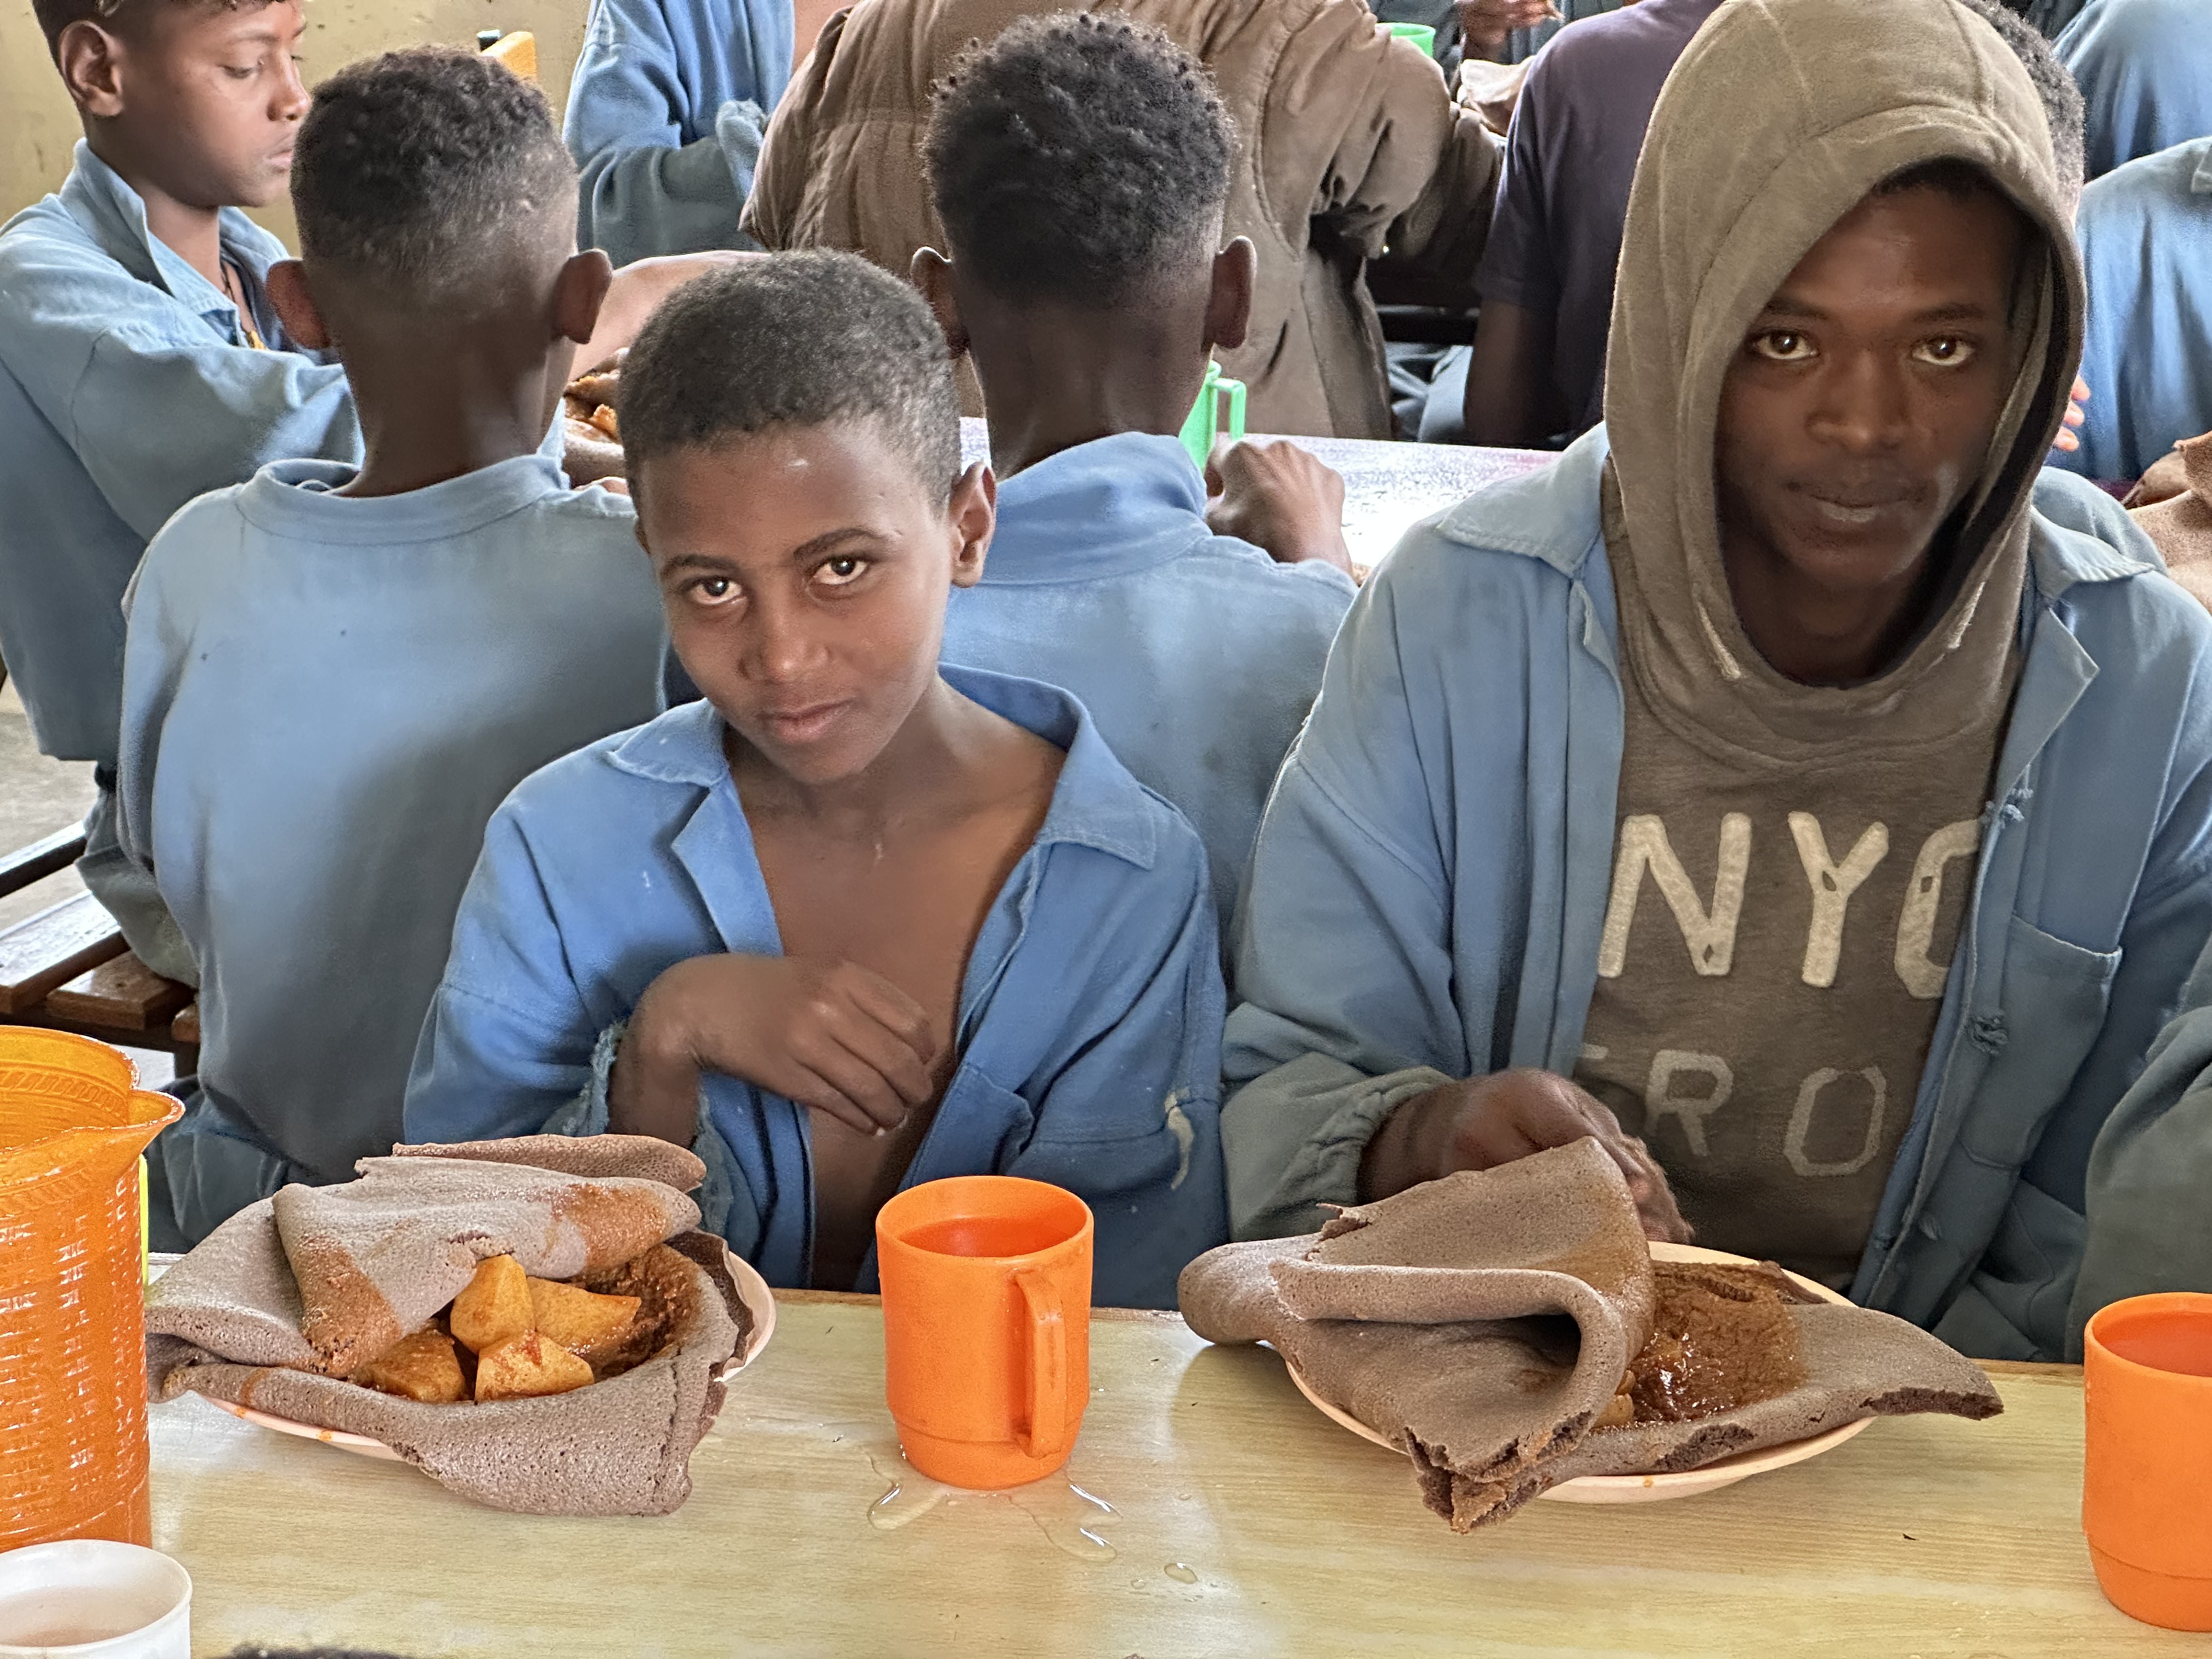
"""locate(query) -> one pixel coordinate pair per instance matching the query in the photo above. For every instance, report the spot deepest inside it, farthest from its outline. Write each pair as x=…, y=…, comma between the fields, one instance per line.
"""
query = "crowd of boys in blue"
x=1798, y=786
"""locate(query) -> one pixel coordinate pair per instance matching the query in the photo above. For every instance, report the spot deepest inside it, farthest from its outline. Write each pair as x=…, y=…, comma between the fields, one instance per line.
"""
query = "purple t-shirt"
x=1570, y=159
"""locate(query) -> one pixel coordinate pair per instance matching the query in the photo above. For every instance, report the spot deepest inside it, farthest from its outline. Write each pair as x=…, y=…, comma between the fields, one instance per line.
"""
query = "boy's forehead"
x=763, y=491
x=202, y=20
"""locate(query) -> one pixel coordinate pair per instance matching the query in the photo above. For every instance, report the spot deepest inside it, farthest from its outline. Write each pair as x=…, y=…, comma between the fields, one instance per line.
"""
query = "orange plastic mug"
x=2147, y=1484
x=986, y=1326
x=73, y=1451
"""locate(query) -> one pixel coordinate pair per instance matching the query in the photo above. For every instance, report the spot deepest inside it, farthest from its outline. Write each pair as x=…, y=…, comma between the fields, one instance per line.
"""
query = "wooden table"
x=1387, y=486
x=1242, y=1523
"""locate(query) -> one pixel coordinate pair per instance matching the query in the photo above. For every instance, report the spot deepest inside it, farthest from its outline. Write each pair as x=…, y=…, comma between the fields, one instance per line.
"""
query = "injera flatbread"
x=1489, y=1375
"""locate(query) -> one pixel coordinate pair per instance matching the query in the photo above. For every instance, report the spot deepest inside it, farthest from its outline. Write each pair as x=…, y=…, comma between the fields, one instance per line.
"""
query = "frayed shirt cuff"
x=1311, y=1120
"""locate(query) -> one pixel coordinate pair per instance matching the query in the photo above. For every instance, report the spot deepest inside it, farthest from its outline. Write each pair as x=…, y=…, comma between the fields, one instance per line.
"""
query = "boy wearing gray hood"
x=1772, y=777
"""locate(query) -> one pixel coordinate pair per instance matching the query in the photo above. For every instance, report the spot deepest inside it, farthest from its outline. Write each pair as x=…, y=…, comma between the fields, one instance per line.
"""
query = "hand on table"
x=2066, y=442
x=1489, y=1121
x=1485, y=23
x=1280, y=499
x=832, y=1036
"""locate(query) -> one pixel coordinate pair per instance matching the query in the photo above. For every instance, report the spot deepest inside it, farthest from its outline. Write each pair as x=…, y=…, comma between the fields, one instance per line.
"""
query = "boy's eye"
x=237, y=72
x=715, y=590
x=1944, y=351
x=1781, y=345
x=846, y=568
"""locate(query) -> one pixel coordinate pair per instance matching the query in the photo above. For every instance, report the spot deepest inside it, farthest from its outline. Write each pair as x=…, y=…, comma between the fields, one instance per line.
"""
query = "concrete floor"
x=38, y=796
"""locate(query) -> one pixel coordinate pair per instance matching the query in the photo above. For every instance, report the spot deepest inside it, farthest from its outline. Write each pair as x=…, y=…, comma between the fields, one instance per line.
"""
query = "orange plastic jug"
x=72, y=1314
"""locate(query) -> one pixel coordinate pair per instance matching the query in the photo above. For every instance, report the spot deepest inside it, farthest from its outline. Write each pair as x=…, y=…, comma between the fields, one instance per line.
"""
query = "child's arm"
x=829, y=1034
x=645, y=190
x=157, y=407
x=1128, y=1117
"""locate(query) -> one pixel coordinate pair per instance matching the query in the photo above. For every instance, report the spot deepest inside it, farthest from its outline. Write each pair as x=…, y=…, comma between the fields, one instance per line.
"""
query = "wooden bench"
x=67, y=968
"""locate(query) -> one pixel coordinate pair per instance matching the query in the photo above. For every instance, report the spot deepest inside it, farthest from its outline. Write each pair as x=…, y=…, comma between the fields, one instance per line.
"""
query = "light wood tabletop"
x=1207, y=1509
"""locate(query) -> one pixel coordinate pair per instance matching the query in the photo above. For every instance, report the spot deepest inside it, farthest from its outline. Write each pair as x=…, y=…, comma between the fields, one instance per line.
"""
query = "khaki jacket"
x=1348, y=148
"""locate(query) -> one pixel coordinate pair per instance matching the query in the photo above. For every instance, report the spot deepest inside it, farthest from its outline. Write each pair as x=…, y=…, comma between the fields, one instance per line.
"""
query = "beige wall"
x=38, y=126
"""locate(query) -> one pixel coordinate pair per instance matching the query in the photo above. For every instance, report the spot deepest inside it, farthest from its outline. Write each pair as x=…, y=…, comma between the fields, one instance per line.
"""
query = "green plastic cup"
x=1420, y=33
x=1207, y=421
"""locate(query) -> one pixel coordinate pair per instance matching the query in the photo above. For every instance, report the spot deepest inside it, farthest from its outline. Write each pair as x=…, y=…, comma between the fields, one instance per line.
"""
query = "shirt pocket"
x=2049, y=1010
x=979, y=1127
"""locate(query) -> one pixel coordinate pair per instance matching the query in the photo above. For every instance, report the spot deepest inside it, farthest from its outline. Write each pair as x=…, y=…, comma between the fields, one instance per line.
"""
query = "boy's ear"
x=932, y=272
x=287, y=282
x=1229, y=307
x=90, y=61
x=974, y=512
x=579, y=292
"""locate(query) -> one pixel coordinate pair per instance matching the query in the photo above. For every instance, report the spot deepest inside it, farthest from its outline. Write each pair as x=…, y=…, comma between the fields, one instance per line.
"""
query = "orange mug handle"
x=1048, y=1364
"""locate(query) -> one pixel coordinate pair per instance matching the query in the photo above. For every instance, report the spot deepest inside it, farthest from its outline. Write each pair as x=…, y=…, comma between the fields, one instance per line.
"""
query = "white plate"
x=752, y=1291
x=1654, y=1488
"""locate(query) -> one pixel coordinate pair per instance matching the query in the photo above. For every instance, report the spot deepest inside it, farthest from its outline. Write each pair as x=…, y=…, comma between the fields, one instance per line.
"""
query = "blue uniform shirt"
x=126, y=389
x=1430, y=885
x=2146, y=236
x=1197, y=655
x=2145, y=72
x=1089, y=1031
x=325, y=699
x=665, y=115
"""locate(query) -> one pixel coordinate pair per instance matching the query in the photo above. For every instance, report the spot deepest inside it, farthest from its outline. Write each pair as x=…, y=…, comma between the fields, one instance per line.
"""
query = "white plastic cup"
x=88, y=1599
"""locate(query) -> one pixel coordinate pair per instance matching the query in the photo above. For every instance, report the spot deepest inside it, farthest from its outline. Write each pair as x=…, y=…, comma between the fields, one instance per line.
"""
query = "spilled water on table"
x=1068, y=1515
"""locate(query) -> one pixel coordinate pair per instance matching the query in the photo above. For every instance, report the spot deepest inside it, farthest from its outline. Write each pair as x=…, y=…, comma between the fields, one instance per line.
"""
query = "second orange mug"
x=986, y=1326
x=2146, y=1481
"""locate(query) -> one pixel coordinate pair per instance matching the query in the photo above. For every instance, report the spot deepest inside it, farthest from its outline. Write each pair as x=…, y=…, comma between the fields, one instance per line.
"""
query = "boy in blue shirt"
x=665, y=114
x=848, y=923
x=141, y=362
x=333, y=675
x=2146, y=234
x=1080, y=165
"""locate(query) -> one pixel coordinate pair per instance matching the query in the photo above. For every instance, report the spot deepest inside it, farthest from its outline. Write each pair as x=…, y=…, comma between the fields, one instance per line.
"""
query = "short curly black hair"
x=2062, y=110
x=793, y=340
x=1077, y=157
x=423, y=167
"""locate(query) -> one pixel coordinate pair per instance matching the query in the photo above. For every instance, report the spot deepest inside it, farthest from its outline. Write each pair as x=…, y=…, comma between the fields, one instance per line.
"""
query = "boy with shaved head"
x=1773, y=789
x=334, y=672
x=852, y=922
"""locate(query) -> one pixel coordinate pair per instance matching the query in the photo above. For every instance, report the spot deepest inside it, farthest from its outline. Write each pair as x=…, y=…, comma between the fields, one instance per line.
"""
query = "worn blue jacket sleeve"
x=156, y=415
x=1344, y=965
x=1127, y=1114
x=2149, y=1225
x=665, y=114
x=508, y=1041
x=2032, y=1269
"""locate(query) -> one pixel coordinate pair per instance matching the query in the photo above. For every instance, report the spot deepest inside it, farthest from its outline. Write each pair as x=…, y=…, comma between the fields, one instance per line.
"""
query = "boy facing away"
x=333, y=675
x=848, y=923
x=140, y=360
x=1080, y=165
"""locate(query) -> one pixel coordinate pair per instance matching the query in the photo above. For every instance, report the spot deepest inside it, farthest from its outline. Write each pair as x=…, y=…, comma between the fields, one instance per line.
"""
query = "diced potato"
x=493, y=1306
x=422, y=1368
x=587, y=1324
x=524, y=1367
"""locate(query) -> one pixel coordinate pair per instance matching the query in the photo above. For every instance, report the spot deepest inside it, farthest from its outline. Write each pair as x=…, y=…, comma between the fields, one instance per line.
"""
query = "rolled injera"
x=283, y=1300
x=1483, y=1322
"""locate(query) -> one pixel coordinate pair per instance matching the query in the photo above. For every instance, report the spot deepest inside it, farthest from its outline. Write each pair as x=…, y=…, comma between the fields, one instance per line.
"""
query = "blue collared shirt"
x=325, y=698
x=126, y=389
x=1197, y=654
x=1430, y=886
x=665, y=115
x=1089, y=1030
x=2146, y=236
x=2145, y=72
